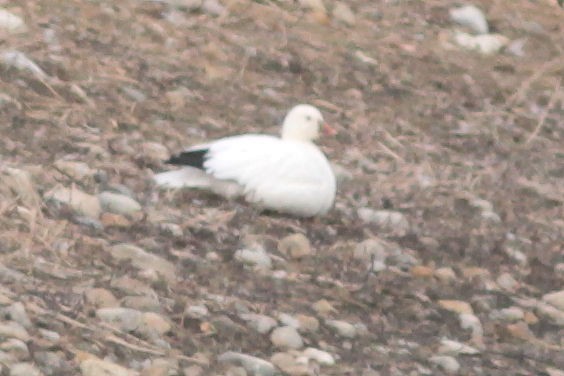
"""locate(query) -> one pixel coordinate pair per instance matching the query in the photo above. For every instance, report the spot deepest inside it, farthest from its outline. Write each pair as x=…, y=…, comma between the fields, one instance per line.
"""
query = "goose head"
x=304, y=123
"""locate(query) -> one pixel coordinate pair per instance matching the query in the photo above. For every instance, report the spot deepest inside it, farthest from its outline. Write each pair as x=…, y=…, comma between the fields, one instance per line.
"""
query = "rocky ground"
x=443, y=254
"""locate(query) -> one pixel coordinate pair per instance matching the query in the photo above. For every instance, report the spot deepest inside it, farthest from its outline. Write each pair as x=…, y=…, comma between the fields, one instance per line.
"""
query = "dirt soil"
x=468, y=148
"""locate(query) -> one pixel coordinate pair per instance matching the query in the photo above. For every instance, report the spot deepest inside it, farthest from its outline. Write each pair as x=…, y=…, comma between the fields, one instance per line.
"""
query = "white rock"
x=126, y=319
x=24, y=369
x=507, y=282
x=196, y=312
x=343, y=13
x=255, y=366
x=118, y=203
x=80, y=202
x=74, y=169
x=320, y=356
x=450, y=347
x=471, y=17
x=315, y=5
x=20, y=61
x=153, y=325
x=11, y=22
x=342, y=328
x=18, y=313
x=289, y=320
x=98, y=367
x=213, y=7
x=256, y=256
x=555, y=298
x=11, y=329
x=447, y=363
x=261, y=323
x=15, y=347
x=387, y=219
x=469, y=321
x=296, y=246
x=286, y=337
x=508, y=314
x=143, y=260
x=486, y=44
x=18, y=184
x=552, y=313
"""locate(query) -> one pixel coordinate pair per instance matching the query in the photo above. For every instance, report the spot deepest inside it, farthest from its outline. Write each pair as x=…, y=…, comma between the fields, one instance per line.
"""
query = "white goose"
x=287, y=174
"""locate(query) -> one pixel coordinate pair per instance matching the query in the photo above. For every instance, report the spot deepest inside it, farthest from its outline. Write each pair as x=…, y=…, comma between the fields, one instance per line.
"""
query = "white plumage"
x=288, y=174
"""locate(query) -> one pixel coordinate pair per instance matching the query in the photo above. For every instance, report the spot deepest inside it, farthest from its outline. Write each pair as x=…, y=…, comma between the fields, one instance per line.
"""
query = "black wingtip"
x=195, y=158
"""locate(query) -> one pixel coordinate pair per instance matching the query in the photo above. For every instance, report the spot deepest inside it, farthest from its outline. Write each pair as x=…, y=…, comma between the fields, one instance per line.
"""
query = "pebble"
x=78, y=171
x=149, y=303
x=24, y=369
x=154, y=151
x=143, y=260
x=289, y=320
x=555, y=315
x=315, y=5
x=307, y=323
x=126, y=319
x=445, y=274
x=193, y=371
x=486, y=44
x=470, y=16
x=344, y=13
x=152, y=324
x=17, y=313
x=18, y=60
x=16, y=347
x=255, y=256
x=118, y=204
x=320, y=356
x=447, y=363
x=370, y=249
x=255, y=366
x=555, y=298
x=18, y=183
x=450, y=347
x=388, y=220
x=261, y=323
x=508, y=314
x=189, y=5
x=342, y=328
x=197, y=312
x=323, y=307
x=100, y=298
x=295, y=246
x=133, y=93
x=469, y=321
x=517, y=47
x=457, y=306
x=213, y=7
x=286, y=337
x=507, y=282
x=11, y=22
x=53, y=363
x=80, y=202
x=290, y=364
x=12, y=329
x=98, y=367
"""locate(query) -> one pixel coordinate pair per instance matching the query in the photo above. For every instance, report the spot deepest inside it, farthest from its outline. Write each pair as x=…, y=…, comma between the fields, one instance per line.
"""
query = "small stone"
x=486, y=44
x=421, y=271
x=126, y=319
x=171, y=229
x=193, y=371
x=296, y=246
x=320, y=356
x=289, y=320
x=118, y=204
x=114, y=220
x=11, y=22
x=447, y=363
x=507, y=282
x=315, y=5
x=342, y=328
x=134, y=93
x=555, y=298
x=530, y=318
x=517, y=47
x=457, y=306
x=343, y=13
x=12, y=329
x=369, y=249
x=323, y=307
x=18, y=60
x=153, y=324
x=256, y=256
x=255, y=366
x=17, y=313
x=97, y=367
x=508, y=314
x=388, y=220
x=471, y=17
x=80, y=202
x=154, y=151
x=445, y=274
x=197, y=312
x=213, y=7
x=286, y=337
x=77, y=171
x=142, y=303
x=24, y=369
x=450, y=347
x=261, y=323
x=143, y=260
x=290, y=365
x=189, y=5
x=554, y=314
x=520, y=330
x=15, y=347
x=101, y=298
x=469, y=321
x=307, y=323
